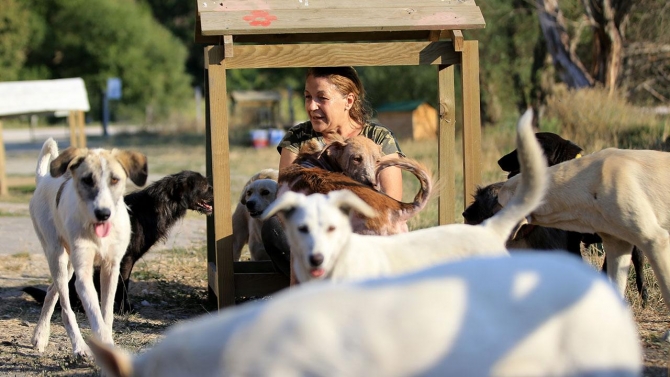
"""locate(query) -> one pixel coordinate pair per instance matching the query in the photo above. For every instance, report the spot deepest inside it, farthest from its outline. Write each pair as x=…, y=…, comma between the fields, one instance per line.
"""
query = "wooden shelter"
x=416, y=120
x=61, y=96
x=304, y=33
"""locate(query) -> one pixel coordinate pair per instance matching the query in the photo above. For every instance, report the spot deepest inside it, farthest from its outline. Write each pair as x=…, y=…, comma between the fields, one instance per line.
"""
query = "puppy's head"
x=556, y=150
x=318, y=228
x=258, y=196
x=99, y=178
x=358, y=158
x=194, y=191
x=263, y=174
x=485, y=204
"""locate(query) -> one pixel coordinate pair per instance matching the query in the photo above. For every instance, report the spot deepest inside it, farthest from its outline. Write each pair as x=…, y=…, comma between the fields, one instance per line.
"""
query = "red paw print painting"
x=260, y=18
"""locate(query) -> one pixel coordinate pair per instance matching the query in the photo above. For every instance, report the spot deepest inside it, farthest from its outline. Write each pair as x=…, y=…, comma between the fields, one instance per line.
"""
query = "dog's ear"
x=285, y=203
x=347, y=201
x=68, y=159
x=113, y=361
x=332, y=151
x=135, y=165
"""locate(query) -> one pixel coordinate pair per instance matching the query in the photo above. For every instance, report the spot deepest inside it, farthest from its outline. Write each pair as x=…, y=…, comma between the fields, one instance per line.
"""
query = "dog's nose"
x=102, y=214
x=251, y=204
x=316, y=260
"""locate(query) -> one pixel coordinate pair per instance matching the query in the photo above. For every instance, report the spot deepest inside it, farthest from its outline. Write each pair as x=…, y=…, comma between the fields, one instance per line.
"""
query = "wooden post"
x=72, y=123
x=472, y=144
x=446, y=145
x=218, y=128
x=4, y=189
x=81, y=124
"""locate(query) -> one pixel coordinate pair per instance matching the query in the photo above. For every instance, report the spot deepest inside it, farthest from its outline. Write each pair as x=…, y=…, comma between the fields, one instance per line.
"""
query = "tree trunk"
x=569, y=67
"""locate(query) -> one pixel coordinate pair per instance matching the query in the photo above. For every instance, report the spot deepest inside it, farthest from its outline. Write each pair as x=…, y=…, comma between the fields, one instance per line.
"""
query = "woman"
x=335, y=103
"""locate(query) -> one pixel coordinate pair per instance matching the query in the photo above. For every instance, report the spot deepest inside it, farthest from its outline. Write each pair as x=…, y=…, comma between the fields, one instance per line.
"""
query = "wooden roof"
x=395, y=19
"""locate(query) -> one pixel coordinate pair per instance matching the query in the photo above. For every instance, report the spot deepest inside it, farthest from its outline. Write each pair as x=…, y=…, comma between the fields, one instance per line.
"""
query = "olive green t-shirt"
x=297, y=135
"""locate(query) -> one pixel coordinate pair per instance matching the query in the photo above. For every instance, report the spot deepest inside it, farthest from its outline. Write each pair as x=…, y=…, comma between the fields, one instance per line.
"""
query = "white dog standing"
x=323, y=245
x=532, y=314
x=80, y=218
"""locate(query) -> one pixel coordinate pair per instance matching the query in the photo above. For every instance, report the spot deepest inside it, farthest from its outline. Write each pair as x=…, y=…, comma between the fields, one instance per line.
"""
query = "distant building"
x=254, y=109
x=415, y=120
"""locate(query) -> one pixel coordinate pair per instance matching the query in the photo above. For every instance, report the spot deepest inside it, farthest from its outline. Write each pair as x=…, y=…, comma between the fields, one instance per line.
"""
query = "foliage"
x=14, y=36
x=108, y=38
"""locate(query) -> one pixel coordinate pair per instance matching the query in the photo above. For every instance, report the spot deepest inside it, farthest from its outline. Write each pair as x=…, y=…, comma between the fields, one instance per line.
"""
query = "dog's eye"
x=113, y=180
x=87, y=180
x=330, y=229
x=303, y=229
x=265, y=192
x=358, y=159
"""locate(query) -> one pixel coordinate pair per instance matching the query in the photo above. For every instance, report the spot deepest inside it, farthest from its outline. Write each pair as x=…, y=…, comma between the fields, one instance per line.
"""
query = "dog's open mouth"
x=102, y=229
x=255, y=214
x=317, y=272
x=204, y=207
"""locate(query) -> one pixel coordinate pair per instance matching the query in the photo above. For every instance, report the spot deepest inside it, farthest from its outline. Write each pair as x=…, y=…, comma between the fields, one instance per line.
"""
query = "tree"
x=14, y=37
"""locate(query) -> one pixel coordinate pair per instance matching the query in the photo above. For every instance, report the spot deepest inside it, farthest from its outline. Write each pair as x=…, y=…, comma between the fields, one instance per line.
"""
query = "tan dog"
x=257, y=194
x=80, y=218
x=623, y=196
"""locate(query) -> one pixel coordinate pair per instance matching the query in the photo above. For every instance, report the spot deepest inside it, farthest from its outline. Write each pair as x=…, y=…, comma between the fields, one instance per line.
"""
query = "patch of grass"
x=21, y=255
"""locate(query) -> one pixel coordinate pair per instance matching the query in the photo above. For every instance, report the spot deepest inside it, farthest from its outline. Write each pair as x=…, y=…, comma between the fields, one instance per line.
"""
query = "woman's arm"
x=286, y=158
x=390, y=180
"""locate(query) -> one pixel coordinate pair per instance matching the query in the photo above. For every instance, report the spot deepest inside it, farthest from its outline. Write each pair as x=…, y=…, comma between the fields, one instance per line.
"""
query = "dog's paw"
x=40, y=340
x=82, y=351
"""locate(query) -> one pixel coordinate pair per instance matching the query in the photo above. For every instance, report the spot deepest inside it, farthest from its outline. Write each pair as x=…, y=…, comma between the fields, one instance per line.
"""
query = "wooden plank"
x=472, y=144
x=314, y=20
x=254, y=267
x=73, y=129
x=222, y=215
x=81, y=123
x=201, y=39
x=237, y=5
x=211, y=245
x=212, y=278
x=405, y=35
x=457, y=39
x=259, y=284
x=343, y=54
x=446, y=159
x=228, y=46
x=4, y=187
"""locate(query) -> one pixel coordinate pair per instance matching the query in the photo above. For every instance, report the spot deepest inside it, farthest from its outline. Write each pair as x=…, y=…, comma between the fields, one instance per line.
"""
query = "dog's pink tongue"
x=102, y=229
x=317, y=272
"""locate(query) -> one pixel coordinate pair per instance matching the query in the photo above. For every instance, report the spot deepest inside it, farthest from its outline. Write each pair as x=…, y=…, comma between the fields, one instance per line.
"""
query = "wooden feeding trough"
x=304, y=33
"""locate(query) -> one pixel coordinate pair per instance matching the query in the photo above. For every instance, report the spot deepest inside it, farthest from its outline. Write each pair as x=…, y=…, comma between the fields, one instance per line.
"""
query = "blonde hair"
x=346, y=81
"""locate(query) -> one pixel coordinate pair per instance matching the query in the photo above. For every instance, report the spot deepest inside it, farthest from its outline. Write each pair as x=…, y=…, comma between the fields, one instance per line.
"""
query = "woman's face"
x=327, y=108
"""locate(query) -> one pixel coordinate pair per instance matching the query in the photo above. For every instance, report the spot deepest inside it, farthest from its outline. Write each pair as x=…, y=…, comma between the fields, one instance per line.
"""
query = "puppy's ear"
x=332, y=151
x=115, y=362
x=135, y=165
x=68, y=159
x=346, y=201
x=285, y=203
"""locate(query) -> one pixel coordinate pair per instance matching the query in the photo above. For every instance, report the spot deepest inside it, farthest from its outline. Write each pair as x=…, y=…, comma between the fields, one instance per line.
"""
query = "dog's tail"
x=530, y=192
x=48, y=153
x=38, y=294
x=422, y=173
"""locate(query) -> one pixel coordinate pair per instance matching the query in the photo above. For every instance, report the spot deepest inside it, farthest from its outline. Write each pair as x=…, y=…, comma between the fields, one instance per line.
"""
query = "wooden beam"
x=446, y=146
x=472, y=144
x=228, y=46
x=4, y=187
x=222, y=215
x=71, y=121
x=343, y=54
x=310, y=19
x=457, y=39
x=81, y=125
x=237, y=5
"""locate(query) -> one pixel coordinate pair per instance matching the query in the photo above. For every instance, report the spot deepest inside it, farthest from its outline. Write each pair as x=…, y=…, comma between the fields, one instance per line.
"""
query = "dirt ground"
x=168, y=286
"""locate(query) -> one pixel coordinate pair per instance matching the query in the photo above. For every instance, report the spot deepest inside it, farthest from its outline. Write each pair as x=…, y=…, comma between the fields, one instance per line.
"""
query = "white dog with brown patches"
x=323, y=245
x=80, y=218
x=532, y=314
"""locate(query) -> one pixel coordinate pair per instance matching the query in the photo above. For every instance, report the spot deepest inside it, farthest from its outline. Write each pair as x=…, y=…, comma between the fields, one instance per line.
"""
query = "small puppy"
x=556, y=150
x=80, y=218
x=619, y=194
x=324, y=246
x=259, y=191
x=534, y=314
x=153, y=211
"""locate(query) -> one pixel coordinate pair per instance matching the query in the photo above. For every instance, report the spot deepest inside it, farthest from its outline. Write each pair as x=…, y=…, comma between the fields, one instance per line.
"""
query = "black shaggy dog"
x=556, y=150
x=153, y=211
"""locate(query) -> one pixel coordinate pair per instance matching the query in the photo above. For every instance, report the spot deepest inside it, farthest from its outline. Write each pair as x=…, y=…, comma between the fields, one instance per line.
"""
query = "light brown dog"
x=257, y=194
x=623, y=196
